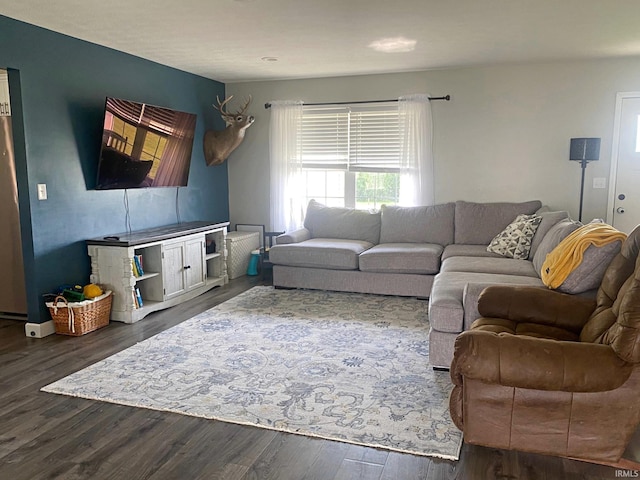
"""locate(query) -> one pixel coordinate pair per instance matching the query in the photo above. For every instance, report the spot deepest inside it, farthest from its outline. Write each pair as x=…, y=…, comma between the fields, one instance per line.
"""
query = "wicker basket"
x=78, y=318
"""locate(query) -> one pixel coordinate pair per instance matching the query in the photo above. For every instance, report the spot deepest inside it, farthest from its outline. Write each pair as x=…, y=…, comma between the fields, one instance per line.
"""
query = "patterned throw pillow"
x=515, y=240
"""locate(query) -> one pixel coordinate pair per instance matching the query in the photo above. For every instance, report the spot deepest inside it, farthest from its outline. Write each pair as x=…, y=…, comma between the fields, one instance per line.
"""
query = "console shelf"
x=174, y=262
x=147, y=275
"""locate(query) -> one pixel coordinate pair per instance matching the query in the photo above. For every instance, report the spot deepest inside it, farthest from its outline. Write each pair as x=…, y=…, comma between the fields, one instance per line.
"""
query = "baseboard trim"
x=40, y=330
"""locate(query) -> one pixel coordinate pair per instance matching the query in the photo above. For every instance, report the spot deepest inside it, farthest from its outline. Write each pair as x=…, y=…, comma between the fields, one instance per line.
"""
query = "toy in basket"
x=78, y=318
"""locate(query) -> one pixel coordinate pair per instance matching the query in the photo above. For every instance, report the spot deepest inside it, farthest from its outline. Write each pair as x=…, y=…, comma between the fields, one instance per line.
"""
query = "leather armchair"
x=551, y=373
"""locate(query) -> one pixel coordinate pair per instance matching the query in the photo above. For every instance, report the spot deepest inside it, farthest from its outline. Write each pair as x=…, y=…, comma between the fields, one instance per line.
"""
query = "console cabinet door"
x=173, y=264
x=195, y=272
x=183, y=266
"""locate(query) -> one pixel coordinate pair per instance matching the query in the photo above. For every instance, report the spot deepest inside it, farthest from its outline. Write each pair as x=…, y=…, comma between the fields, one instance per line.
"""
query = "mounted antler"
x=218, y=145
x=221, y=105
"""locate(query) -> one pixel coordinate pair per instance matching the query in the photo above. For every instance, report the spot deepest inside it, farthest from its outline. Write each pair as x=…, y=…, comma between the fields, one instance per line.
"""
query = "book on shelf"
x=134, y=269
x=136, y=266
x=137, y=297
x=137, y=259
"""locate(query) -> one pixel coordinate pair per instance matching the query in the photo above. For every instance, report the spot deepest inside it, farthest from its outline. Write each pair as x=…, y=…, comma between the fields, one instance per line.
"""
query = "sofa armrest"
x=536, y=305
x=295, y=236
x=537, y=363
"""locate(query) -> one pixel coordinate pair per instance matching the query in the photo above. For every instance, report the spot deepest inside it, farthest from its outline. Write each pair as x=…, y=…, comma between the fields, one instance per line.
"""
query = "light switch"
x=599, y=182
x=42, y=191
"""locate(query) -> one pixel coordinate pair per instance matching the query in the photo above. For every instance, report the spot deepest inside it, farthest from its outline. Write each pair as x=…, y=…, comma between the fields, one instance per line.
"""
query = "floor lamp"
x=584, y=150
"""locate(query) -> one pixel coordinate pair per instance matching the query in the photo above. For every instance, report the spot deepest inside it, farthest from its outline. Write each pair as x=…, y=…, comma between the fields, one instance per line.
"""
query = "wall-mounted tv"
x=144, y=146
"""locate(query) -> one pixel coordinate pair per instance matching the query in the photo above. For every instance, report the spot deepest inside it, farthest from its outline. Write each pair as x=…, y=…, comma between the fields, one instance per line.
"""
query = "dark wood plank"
x=402, y=465
x=44, y=435
x=234, y=448
x=353, y=469
x=287, y=457
x=328, y=461
x=44, y=415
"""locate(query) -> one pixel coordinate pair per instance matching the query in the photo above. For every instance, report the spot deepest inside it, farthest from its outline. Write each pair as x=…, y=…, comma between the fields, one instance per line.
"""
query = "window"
x=351, y=154
x=357, y=155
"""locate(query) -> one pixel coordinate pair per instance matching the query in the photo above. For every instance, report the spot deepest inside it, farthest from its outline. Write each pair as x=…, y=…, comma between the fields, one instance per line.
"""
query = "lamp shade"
x=584, y=149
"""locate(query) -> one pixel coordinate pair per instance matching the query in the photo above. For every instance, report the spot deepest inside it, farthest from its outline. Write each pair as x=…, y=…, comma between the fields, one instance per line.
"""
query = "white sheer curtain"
x=286, y=165
x=416, y=159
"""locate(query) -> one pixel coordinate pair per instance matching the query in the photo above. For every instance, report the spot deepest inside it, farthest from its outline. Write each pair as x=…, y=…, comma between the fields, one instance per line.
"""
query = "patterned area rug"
x=340, y=366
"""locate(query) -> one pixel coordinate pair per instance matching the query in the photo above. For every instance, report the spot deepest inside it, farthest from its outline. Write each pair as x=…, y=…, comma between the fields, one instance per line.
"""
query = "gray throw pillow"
x=549, y=219
x=344, y=223
x=588, y=275
x=427, y=224
x=515, y=240
x=554, y=236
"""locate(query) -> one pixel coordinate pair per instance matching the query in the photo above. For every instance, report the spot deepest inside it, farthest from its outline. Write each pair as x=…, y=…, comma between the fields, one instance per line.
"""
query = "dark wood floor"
x=46, y=436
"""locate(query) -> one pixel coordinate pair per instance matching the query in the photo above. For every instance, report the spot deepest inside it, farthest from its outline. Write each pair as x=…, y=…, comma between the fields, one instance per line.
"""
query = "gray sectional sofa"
x=437, y=252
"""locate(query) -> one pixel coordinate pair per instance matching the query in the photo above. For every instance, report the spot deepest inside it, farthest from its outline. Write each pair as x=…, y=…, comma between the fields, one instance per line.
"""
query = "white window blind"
x=324, y=137
x=375, y=138
x=358, y=138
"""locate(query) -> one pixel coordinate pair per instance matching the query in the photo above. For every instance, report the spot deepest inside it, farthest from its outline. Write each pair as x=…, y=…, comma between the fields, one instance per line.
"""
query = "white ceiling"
x=225, y=39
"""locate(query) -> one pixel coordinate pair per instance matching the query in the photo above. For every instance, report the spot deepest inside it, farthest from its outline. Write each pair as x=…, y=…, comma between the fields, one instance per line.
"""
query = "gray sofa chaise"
x=437, y=252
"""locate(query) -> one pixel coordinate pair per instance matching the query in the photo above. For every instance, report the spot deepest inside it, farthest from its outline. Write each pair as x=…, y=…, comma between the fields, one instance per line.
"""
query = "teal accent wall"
x=58, y=87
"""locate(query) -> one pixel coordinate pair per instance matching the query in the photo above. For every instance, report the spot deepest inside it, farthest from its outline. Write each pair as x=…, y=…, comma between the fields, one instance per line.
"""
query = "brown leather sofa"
x=552, y=373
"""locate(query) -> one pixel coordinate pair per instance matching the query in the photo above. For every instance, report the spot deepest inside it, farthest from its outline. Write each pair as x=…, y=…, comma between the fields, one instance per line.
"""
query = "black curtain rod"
x=446, y=97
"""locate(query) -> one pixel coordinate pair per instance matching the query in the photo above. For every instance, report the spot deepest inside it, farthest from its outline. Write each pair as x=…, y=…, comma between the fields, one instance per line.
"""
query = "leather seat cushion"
x=503, y=325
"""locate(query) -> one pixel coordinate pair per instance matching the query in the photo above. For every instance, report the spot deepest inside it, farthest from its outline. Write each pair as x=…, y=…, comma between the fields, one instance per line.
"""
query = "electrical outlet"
x=599, y=182
x=42, y=191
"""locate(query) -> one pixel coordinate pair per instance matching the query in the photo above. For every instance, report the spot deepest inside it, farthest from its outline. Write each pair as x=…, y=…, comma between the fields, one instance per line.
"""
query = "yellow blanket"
x=567, y=256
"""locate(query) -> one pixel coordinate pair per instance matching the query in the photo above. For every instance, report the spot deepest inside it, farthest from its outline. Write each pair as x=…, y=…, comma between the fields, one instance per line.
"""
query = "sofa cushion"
x=345, y=223
x=590, y=272
x=549, y=219
x=554, y=236
x=478, y=223
x=579, y=261
x=502, y=266
x=338, y=254
x=446, y=310
x=423, y=258
x=515, y=240
x=467, y=251
x=428, y=224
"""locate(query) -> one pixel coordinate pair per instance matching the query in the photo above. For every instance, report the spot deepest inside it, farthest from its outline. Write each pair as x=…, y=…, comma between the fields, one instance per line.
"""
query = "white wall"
x=504, y=136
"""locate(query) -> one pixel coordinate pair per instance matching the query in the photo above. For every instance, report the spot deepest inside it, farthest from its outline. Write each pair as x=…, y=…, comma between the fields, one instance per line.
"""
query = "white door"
x=624, y=189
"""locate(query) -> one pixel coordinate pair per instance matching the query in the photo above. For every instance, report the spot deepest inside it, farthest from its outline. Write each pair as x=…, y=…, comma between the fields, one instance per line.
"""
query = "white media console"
x=179, y=262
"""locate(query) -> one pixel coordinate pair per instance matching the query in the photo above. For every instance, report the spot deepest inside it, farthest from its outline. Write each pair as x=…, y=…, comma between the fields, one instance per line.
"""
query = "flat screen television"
x=144, y=146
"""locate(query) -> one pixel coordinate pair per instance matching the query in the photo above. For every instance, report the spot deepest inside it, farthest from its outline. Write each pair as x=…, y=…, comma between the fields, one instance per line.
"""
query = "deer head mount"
x=218, y=144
